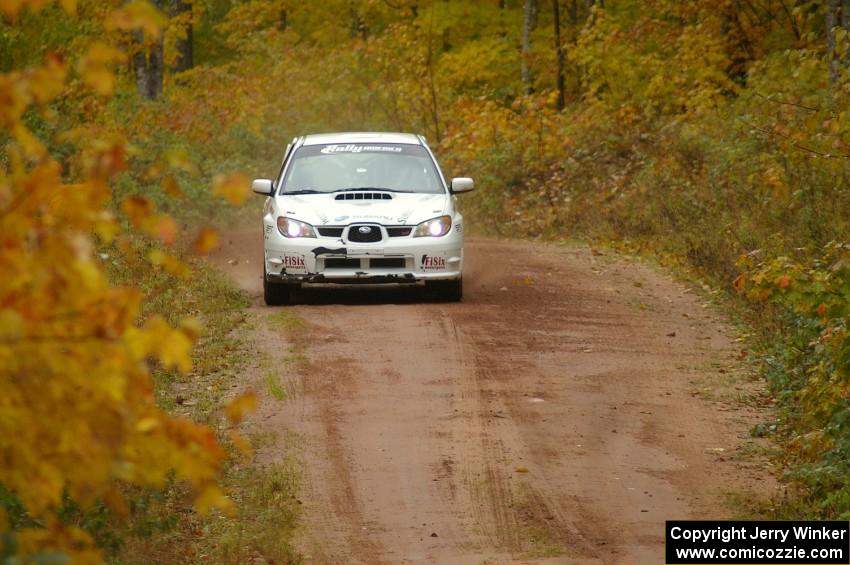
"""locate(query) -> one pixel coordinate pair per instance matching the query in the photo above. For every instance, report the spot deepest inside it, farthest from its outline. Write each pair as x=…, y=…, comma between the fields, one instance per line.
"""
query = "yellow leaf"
x=11, y=325
x=206, y=241
x=191, y=327
x=176, y=351
x=48, y=82
x=70, y=6
x=242, y=444
x=137, y=209
x=175, y=266
x=147, y=424
x=172, y=189
x=10, y=8
x=157, y=257
x=106, y=227
x=170, y=263
x=139, y=15
x=233, y=187
x=114, y=500
x=171, y=347
x=178, y=159
x=94, y=67
x=163, y=228
x=32, y=147
x=239, y=406
x=212, y=497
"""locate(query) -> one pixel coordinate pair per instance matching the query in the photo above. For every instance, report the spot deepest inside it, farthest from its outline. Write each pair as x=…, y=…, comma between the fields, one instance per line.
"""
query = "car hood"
x=402, y=209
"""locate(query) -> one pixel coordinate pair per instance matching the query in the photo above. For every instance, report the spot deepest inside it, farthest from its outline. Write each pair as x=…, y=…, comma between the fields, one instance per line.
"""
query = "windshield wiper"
x=366, y=188
x=302, y=191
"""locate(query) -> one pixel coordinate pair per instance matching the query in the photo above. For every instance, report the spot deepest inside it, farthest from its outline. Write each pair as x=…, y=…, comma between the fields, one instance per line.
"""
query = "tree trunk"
x=183, y=45
x=559, y=56
x=528, y=25
x=357, y=27
x=156, y=66
x=432, y=86
x=574, y=12
x=140, y=65
x=831, y=22
x=148, y=64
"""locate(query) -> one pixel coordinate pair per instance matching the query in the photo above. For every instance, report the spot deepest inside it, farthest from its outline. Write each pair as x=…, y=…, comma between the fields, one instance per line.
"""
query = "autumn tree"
x=181, y=15
x=529, y=24
x=78, y=421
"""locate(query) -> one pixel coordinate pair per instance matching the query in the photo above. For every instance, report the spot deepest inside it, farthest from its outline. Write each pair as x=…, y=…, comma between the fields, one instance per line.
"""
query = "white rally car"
x=361, y=208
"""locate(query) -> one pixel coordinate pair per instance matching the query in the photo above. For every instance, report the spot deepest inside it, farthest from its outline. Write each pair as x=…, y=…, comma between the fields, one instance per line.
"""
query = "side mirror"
x=462, y=184
x=262, y=186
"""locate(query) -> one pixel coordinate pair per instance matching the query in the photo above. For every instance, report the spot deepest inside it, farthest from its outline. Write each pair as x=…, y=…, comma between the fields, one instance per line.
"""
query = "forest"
x=709, y=136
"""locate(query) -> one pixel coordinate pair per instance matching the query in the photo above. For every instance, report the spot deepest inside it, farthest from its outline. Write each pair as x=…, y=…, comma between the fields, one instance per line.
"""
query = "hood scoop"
x=364, y=196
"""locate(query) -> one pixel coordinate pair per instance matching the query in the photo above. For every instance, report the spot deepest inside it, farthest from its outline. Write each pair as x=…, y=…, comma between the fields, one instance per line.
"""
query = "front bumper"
x=335, y=260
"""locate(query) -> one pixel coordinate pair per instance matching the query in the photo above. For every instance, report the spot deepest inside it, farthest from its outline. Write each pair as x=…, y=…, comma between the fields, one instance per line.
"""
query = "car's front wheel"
x=278, y=294
x=447, y=291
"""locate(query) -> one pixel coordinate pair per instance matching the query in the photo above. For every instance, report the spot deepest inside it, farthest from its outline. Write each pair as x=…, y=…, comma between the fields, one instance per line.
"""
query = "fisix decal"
x=294, y=263
x=433, y=263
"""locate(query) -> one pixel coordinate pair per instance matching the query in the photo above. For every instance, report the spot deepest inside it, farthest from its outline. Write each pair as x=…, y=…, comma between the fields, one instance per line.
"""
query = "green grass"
x=268, y=512
x=273, y=386
x=162, y=527
x=288, y=322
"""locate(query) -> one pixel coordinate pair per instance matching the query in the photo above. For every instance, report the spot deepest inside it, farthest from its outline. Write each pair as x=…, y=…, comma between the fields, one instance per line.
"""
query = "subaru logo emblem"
x=364, y=229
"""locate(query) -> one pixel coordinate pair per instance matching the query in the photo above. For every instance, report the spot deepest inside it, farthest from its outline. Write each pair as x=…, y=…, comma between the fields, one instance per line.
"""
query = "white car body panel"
x=332, y=257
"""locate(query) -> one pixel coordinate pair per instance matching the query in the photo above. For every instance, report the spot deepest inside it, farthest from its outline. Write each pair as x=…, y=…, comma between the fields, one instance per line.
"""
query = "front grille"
x=364, y=196
x=342, y=263
x=400, y=231
x=372, y=235
x=387, y=263
x=330, y=232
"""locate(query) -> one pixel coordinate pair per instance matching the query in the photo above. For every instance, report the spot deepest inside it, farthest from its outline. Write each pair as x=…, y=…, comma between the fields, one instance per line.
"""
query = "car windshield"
x=360, y=166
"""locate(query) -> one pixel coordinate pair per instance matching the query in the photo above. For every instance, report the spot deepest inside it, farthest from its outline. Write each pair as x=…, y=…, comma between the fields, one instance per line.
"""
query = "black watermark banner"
x=697, y=542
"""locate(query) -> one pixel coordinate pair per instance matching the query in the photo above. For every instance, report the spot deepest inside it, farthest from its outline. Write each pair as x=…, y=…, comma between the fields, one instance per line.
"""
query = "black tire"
x=447, y=291
x=278, y=294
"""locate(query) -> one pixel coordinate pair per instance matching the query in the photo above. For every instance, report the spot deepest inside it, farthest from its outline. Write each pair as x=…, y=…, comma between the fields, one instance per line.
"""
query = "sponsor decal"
x=433, y=263
x=340, y=218
x=372, y=217
x=293, y=263
x=351, y=148
x=404, y=215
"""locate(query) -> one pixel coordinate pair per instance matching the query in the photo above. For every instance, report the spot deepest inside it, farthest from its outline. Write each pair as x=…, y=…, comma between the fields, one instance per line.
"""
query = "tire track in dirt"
x=560, y=414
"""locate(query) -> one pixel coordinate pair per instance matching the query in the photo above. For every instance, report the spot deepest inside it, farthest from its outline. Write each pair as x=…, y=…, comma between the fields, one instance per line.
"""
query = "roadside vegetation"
x=711, y=134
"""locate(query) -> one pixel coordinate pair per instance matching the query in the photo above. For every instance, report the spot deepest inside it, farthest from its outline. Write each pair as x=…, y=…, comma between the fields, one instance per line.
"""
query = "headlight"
x=293, y=228
x=437, y=227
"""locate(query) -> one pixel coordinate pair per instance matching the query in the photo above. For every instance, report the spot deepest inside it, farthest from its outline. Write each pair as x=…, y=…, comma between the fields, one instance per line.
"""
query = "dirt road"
x=561, y=413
